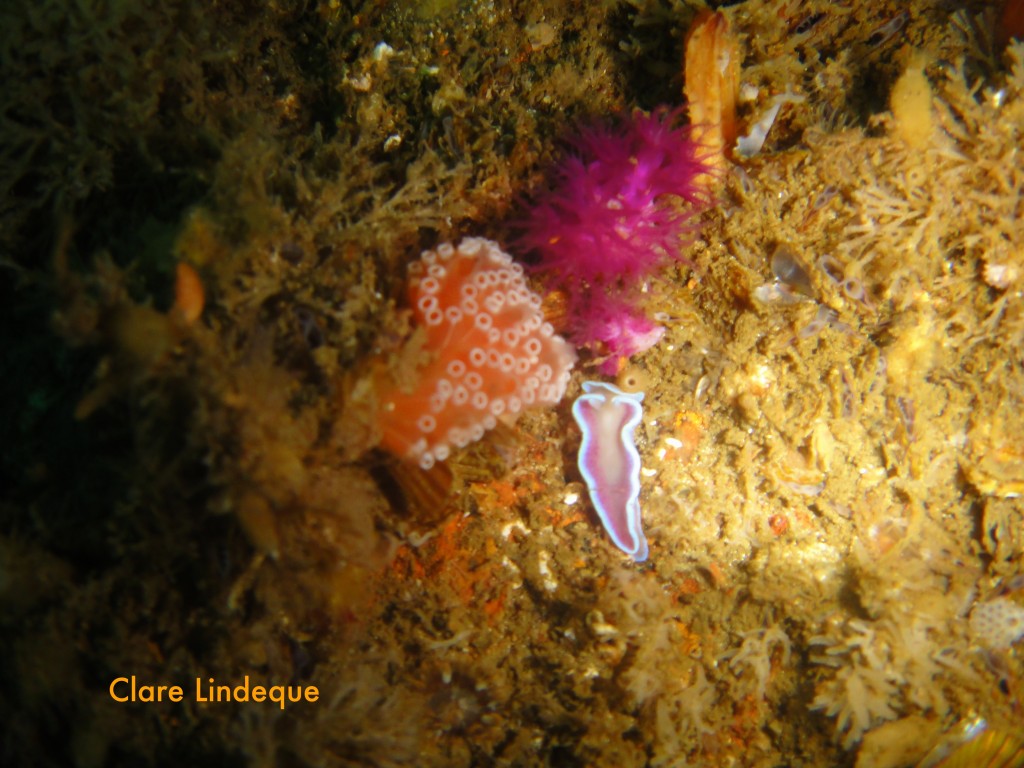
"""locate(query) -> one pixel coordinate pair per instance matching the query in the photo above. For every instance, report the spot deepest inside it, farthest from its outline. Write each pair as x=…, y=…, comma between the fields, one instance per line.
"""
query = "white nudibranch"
x=610, y=463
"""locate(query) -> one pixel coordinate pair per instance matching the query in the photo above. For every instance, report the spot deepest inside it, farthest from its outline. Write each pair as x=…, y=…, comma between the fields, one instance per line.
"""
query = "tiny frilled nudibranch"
x=610, y=463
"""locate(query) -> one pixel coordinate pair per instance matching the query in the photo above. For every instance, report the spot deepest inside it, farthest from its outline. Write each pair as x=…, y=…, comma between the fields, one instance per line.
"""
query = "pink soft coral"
x=621, y=205
x=618, y=330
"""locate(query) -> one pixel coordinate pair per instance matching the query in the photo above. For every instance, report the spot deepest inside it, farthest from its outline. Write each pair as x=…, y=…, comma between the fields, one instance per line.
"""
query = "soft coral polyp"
x=622, y=203
x=608, y=216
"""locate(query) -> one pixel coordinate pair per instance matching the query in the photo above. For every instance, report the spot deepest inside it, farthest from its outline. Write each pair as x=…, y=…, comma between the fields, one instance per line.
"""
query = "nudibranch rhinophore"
x=610, y=463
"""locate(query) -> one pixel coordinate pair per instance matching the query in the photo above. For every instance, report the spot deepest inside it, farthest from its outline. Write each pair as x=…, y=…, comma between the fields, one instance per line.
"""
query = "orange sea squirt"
x=712, y=75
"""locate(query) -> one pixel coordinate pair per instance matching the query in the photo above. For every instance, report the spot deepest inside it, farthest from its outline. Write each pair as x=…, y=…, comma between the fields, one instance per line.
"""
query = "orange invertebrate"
x=690, y=586
x=189, y=296
x=488, y=354
x=779, y=524
x=712, y=76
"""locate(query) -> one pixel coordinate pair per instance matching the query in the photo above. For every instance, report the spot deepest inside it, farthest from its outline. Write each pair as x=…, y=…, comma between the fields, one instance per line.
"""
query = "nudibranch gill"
x=610, y=463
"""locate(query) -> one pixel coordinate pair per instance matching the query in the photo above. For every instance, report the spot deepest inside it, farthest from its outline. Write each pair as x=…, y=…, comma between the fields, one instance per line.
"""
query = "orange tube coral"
x=189, y=296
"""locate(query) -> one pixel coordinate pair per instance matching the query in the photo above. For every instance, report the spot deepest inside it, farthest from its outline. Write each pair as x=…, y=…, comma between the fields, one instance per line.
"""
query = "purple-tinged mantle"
x=610, y=463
